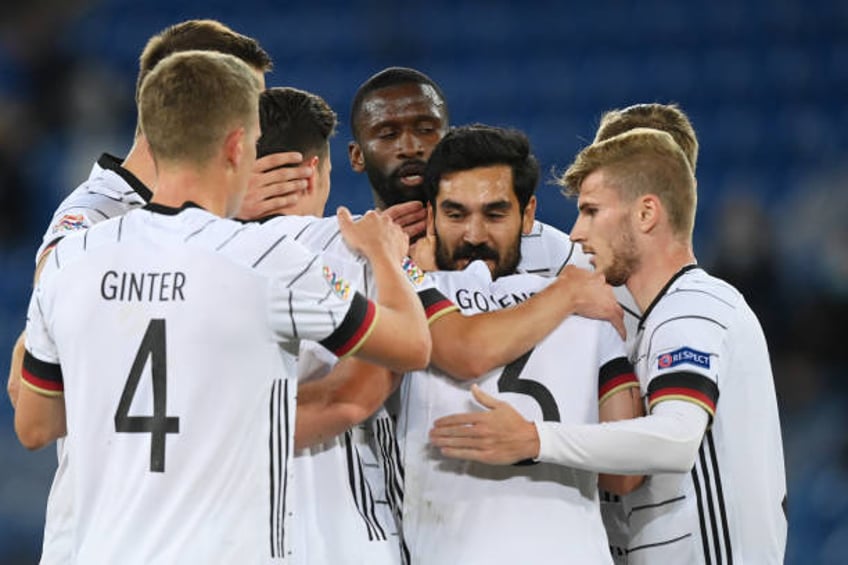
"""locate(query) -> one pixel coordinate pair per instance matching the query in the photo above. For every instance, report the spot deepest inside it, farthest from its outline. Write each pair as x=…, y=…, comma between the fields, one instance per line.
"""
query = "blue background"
x=764, y=83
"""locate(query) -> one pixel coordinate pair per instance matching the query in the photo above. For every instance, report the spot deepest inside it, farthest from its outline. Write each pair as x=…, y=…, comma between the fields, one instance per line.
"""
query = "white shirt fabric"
x=167, y=329
x=700, y=343
x=349, y=488
x=464, y=512
x=109, y=191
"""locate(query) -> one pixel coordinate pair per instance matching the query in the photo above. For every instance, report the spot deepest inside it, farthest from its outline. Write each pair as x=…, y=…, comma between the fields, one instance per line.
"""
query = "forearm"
x=401, y=338
x=13, y=384
x=666, y=441
x=622, y=405
x=39, y=420
x=467, y=347
x=348, y=395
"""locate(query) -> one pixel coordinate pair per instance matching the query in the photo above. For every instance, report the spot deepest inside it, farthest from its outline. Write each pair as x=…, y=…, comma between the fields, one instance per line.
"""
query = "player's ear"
x=648, y=212
x=529, y=216
x=310, y=181
x=234, y=147
x=354, y=153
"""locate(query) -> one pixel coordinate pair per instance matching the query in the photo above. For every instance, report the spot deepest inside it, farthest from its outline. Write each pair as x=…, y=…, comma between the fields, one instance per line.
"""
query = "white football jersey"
x=166, y=329
x=349, y=488
x=109, y=191
x=465, y=512
x=700, y=342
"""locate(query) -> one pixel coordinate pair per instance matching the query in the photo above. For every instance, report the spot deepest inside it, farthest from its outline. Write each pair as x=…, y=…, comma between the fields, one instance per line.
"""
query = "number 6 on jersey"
x=152, y=347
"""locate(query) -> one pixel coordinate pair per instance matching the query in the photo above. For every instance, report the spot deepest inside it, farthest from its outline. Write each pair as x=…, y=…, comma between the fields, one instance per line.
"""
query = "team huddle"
x=232, y=377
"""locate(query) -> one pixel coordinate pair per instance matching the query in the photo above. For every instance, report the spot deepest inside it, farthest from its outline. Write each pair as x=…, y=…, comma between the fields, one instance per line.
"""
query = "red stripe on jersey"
x=48, y=387
x=678, y=393
x=438, y=309
x=355, y=341
x=615, y=384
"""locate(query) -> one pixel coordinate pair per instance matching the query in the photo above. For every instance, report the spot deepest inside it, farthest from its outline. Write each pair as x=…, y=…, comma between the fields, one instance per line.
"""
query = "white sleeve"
x=666, y=441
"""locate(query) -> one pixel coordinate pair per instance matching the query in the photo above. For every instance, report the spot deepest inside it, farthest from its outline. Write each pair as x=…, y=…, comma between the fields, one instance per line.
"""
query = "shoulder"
x=698, y=295
x=546, y=250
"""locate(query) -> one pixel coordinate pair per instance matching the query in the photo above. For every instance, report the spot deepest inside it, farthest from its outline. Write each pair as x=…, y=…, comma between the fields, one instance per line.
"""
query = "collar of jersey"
x=170, y=210
x=685, y=269
x=112, y=163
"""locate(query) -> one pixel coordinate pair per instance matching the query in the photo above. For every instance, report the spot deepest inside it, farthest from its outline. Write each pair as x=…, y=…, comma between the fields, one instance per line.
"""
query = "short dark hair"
x=201, y=35
x=392, y=76
x=479, y=145
x=294, y=120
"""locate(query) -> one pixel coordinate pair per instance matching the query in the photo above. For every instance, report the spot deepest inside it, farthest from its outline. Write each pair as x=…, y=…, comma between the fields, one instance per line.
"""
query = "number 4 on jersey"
x=153, y=348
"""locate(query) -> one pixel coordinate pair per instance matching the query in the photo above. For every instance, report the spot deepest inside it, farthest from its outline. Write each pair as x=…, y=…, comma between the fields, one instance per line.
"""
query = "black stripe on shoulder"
x=678, y=318
x=231, y=237
x=708, y=293
x=345, y=337
x=120, y=227
x=331, y=240
x=303, y=231
x=664, y=290
x=267, y=251
x=302, y=272
x=201, y=228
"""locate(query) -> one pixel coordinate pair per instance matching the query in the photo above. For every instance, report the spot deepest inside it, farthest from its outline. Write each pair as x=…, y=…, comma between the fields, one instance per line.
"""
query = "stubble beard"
x=625, y=258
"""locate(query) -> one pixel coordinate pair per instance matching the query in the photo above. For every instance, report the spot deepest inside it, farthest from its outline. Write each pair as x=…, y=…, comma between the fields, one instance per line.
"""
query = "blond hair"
x=638, y=162
x=192, y=100
x=664, y=117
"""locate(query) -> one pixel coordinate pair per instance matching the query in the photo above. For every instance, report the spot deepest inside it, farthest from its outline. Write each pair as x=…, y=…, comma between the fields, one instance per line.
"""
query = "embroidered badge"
x=683, y=355
x=413, y=271
x=340, y=286
x=70, y=222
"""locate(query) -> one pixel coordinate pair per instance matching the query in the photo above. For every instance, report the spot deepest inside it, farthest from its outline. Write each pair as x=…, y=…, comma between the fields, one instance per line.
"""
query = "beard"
x=625, y=258
x=391, y=190
x=506, y=265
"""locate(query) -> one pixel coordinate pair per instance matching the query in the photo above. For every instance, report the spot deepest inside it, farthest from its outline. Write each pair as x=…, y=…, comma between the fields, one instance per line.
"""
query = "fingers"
x=411, y=216
x=466, y=453
x=343, y=216
x=405, y=209
x=486, y=400
x=275, y=160
x=459, y=420
x=281, y=181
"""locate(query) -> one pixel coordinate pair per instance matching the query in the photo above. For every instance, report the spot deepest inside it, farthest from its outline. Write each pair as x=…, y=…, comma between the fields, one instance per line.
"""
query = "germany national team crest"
x=340, y=286
x=70, y=222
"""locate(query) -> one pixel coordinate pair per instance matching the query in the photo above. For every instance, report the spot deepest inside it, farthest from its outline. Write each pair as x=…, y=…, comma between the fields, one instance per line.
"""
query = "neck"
x=202, y=185
x=656, y=268
x=140, y=163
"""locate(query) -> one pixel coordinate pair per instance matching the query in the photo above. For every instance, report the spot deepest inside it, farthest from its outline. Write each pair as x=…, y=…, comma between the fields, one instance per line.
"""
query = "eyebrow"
x=499, y=206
